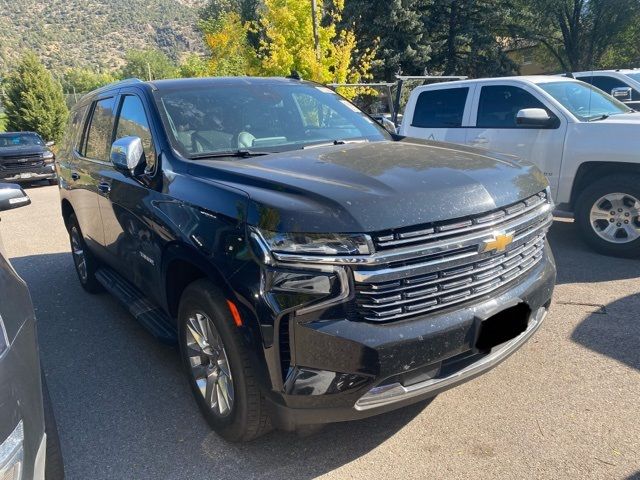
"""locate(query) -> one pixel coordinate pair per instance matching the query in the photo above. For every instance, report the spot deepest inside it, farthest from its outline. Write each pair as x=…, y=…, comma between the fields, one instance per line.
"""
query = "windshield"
x=19, y=139
x=634, y=76
x=260, y=118
x=584, y=101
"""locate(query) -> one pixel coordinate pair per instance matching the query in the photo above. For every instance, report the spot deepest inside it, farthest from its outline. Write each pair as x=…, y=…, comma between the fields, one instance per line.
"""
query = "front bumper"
x=31, y=174
x=387, y=366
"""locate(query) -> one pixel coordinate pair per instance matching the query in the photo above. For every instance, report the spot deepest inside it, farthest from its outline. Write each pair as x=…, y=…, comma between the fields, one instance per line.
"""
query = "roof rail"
x=120, y=83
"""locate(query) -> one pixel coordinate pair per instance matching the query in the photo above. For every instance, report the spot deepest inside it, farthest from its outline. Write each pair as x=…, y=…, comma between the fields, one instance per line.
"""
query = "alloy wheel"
x=79, y=257
x=209, y=364
x=615, y=217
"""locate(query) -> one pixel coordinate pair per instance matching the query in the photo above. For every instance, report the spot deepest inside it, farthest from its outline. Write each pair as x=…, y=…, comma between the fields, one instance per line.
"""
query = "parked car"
x=622, y=84
x=26, y=157
x=312, y=267
x=584, y=141
x=29, y=445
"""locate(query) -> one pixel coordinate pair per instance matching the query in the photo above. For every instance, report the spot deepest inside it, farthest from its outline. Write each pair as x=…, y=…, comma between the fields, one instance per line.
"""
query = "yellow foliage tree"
x=231, y=53
x=287, y=44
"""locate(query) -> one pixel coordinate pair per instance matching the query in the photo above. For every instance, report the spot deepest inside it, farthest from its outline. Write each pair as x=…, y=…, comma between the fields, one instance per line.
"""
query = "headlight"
x=318, y=243
x=12, y=454
x=48, y=156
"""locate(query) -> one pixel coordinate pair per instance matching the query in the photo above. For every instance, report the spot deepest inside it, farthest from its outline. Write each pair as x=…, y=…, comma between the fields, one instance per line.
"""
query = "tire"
x=602, y=210
x=238, y=414
x=84, y=261
x=54, y=465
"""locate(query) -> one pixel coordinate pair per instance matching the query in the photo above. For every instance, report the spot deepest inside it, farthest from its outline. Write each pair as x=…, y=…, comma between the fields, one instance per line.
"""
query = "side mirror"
x=536, y=117
x=12, y=196
x=622, y=93
x=50, y=143
x=127, y=154
x=385, y=123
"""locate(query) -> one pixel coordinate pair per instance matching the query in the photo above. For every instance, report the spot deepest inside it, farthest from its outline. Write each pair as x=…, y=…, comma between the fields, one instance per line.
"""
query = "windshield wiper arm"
x=604, y=116
x=332, y=142
x=240, y=153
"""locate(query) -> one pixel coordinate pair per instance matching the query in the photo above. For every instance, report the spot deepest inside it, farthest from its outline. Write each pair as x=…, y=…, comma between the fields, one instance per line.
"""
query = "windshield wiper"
x=333, y=142
x=604, y=116
x=240, y=153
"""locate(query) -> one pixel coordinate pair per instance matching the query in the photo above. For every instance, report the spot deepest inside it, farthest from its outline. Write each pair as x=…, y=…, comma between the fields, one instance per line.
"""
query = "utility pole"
x=316, y=42
x=149, y=71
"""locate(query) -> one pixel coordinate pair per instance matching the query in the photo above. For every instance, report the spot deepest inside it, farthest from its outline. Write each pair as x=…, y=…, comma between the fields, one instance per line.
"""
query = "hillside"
x=96, y=33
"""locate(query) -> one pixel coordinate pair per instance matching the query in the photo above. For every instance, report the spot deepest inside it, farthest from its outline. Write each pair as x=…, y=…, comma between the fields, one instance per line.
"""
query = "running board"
x=148, y=314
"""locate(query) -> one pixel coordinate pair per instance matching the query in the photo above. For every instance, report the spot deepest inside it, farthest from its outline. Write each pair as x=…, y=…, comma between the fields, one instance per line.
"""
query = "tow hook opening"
x=503, y=326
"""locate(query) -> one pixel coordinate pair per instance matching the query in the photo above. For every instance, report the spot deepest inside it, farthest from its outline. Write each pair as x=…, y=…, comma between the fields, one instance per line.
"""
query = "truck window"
x=499, y=105
x=441, y=108
x=607, y=84
x=100, y=131
x=132, y=122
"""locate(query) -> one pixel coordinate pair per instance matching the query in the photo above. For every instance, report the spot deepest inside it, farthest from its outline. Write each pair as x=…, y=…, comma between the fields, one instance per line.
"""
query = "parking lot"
x=565, y=406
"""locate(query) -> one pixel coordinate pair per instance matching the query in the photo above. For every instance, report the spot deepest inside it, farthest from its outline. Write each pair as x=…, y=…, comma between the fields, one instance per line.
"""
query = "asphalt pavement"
x=567, y=405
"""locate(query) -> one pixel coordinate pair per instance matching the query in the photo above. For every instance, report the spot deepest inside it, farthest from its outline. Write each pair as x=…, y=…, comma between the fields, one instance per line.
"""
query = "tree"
x=80, y=80
x=194, y=66
x=465, y=37
x=578, y=33
x=396, y=28
x=148, y=64
x=228, y=40
x=287, y=43
x=34, y=100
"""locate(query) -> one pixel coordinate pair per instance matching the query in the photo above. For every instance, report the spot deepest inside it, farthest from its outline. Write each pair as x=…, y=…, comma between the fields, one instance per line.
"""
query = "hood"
x=22, y=150
x=373, y=186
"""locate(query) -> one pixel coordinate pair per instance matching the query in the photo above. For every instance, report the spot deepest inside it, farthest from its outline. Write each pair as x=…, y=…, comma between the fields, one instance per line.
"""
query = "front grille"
x=459, y=271
x=17, y=162
x=440, y=230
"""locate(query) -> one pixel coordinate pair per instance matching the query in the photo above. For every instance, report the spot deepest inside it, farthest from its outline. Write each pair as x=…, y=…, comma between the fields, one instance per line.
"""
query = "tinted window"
x=132, y=122
x=499, y=105
x=441, y=108
x=607, y=84
x=98, y=141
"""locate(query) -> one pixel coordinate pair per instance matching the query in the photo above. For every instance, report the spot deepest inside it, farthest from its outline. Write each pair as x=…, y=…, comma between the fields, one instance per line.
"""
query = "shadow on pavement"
x=124, y=407
x=577, y=263
x=614, y=333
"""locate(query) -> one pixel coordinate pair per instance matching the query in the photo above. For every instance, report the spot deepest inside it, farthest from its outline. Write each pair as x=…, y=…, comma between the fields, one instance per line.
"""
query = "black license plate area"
x=503, y=326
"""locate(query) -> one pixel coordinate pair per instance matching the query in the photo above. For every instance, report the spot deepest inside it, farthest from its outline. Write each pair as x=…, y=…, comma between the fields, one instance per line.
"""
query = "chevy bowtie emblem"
x=498, y=243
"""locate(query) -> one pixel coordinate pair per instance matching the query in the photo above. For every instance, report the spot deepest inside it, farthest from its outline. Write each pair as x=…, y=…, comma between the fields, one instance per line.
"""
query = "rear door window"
x=98, y=138
x=499, y=105
x=441, y=108
x=607, y=84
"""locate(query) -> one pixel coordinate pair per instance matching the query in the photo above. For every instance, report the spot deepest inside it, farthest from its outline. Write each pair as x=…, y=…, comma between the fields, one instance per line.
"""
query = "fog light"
x=12, y=454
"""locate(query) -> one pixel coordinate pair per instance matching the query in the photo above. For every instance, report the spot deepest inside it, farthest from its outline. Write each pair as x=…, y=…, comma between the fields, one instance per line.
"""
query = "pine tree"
x=34, y=100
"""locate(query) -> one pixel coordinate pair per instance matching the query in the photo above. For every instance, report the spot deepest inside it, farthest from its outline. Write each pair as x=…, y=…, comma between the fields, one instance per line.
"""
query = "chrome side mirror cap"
x=50, y=143
x=622, y=94
x=12, y=196
x=536, y=117
x=127, y=154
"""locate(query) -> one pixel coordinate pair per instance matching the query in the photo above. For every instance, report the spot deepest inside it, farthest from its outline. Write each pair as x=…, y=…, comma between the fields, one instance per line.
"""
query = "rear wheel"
x=217, y=363
x=84, y=261
x=608, y=215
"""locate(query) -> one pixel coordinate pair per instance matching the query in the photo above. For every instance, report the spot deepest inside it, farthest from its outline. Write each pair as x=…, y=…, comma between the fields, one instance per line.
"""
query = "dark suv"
x=26, y=157
x=312, y=267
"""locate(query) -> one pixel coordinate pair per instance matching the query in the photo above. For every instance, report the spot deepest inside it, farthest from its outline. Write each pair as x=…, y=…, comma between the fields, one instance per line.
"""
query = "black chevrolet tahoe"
x=311, y=267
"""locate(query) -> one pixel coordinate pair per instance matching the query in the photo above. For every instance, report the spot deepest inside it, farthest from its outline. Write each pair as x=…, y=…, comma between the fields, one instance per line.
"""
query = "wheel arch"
x=67, y=211
x=183, y=266
x=588, y=172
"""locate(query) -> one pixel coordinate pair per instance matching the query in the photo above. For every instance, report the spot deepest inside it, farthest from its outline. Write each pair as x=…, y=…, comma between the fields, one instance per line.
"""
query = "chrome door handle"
x=480, y=141
x=104, y=187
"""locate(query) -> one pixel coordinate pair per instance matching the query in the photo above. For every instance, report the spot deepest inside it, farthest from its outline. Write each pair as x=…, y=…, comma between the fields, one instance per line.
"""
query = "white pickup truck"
x=586, y=143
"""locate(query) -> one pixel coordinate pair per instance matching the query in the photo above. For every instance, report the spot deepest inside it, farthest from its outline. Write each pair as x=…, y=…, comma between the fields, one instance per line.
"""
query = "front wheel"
x=217, y=363
x=84, y=261
x=608, y=215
